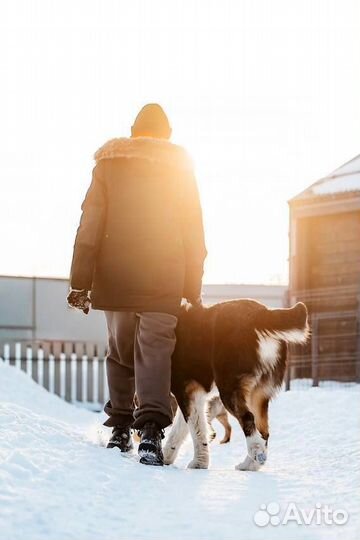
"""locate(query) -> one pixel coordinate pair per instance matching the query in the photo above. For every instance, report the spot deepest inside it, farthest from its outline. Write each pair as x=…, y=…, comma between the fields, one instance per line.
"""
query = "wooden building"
x=325, y=274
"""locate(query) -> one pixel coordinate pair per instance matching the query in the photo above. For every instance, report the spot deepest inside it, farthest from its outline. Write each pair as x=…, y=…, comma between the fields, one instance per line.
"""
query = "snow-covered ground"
x=58, y=483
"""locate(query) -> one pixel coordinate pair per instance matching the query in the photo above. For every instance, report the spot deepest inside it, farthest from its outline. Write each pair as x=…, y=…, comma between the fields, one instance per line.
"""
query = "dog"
x=239, y=346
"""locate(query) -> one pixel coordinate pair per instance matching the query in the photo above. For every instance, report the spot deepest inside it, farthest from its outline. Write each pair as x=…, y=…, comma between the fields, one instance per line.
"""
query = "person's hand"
x=79, y=299
x=196, y=302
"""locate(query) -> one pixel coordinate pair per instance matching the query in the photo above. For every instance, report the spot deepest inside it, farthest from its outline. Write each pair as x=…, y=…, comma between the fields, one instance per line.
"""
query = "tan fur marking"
x=258, y=406
x=193, y=387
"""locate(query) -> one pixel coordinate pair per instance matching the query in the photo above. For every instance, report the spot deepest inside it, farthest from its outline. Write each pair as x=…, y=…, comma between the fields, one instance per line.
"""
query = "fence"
x=73, y=371
x=332, y=355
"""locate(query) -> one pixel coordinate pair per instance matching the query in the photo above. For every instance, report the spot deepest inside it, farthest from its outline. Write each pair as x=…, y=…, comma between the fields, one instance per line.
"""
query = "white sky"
x=264, y=94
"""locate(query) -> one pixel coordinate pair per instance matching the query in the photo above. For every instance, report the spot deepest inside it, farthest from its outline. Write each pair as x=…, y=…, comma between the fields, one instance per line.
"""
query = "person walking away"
x=139, y=250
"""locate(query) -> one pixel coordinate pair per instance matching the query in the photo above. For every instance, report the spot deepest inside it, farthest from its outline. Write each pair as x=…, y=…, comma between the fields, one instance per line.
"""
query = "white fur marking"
x=257, y=453
x=176, y=437
x=268, y=350
x=199, y=431
x=255, y=441
x=291, y=336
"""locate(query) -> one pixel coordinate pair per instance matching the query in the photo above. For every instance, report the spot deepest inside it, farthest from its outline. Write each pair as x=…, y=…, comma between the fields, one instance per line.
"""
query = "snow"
x=57, y=482
x=351, y=166
x=337, y=184
x=344, y=179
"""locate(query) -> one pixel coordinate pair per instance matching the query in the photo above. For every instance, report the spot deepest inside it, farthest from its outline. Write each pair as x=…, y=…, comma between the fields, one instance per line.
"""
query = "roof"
x=343, y=180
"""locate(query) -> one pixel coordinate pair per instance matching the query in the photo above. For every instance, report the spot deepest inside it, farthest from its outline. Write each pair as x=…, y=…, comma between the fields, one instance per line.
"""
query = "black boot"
x=150, y=450
x=121, y=438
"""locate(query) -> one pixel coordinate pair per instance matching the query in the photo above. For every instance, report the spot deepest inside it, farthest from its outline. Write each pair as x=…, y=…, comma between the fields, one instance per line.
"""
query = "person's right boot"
x=121, y=438
x=150, y=451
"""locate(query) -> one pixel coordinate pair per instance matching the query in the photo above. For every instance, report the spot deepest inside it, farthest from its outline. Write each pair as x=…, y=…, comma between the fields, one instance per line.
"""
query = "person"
x=139, y=250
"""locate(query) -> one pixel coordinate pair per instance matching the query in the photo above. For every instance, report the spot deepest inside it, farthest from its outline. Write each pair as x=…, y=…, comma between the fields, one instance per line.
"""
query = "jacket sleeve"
x=193, y=238
x=89, y=234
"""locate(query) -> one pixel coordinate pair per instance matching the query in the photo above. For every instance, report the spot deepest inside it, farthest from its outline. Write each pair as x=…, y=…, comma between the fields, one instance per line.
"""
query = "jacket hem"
x=161, y=308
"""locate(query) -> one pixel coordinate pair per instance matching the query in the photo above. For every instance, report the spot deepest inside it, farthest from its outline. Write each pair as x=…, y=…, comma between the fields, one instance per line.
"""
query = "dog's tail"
x=288, y=324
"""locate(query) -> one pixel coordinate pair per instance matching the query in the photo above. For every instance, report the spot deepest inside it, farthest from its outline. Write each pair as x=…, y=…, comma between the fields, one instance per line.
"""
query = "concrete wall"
x=36, y=308
x=16, y=307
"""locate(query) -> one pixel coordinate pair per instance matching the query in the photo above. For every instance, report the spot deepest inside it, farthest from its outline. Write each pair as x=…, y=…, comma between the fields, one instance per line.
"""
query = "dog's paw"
x=211, y=433
x=248, y=465
x=258, y=453
x=198, y=464
x=257, y=448
x=169, y=455
x=261, y=458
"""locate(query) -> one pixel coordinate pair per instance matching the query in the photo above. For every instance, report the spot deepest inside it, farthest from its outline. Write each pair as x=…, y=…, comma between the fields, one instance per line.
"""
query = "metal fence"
x=331, y=358
x=73, y=371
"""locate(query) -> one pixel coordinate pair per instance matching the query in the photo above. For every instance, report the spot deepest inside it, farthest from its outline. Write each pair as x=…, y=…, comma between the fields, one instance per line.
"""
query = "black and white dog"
x=240, y=347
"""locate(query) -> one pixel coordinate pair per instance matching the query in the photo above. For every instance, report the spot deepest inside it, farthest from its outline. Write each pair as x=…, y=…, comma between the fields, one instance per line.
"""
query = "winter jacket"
x=140, y=243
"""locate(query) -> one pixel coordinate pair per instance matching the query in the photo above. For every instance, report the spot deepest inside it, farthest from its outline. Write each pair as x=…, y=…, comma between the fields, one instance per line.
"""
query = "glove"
x=195, y=302
x=79, y=299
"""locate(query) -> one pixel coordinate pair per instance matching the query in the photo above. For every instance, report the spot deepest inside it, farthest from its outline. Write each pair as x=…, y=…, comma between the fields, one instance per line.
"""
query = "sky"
x=264, y=95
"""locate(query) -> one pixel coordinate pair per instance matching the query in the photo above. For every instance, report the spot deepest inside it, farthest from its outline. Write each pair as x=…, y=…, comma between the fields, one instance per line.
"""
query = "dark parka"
x=140, y=243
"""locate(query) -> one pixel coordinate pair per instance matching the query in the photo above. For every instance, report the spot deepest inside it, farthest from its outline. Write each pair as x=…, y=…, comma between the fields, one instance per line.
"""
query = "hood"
x=152, y=149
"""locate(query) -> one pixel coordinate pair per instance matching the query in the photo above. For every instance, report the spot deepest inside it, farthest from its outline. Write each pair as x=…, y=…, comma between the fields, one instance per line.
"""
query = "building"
x=325, y=273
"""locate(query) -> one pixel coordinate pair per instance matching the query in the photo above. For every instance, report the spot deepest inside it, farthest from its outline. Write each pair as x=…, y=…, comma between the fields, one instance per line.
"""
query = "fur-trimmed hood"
x=152, y=149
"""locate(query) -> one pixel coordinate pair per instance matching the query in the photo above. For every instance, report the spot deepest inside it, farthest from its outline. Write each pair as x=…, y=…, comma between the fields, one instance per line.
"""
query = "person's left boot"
x=150, y=451
x=121, y=438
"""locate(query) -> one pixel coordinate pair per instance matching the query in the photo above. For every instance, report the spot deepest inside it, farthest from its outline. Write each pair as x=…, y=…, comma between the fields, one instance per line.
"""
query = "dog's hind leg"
x=235, y=402
x=223, y=419
x=176, y=437
x=211, y=409
x=216, y=409
x=259, y=400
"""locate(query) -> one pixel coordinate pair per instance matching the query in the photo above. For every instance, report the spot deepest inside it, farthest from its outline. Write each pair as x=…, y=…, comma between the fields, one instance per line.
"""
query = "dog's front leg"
x=199, y=431
x=176, y=437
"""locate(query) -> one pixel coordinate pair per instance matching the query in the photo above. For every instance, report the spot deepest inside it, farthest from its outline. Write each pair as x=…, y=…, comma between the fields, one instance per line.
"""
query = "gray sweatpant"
x=140, y=346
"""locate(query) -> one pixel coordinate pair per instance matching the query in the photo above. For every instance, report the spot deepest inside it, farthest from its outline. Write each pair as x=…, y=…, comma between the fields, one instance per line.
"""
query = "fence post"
x=51, y=370
x=62, y=366
x=84, y=376
x=29, y=360
x=7, y=353
x=95, y=370
x=40, y=366
x=18, y=355
x=315, y=350
x=73, y=366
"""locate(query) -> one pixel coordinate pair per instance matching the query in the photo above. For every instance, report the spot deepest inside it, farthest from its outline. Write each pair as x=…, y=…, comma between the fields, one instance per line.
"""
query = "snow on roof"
x=352, y=166
x=345, y=178
x=337, y=184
